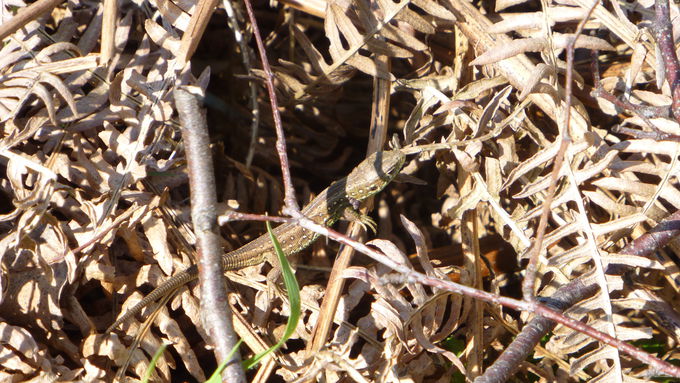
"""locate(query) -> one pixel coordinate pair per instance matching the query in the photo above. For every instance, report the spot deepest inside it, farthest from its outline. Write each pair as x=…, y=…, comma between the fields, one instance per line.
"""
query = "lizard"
x=340, y=200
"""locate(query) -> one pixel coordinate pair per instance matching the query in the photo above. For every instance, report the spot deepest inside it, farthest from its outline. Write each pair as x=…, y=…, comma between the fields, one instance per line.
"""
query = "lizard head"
x=374, y=173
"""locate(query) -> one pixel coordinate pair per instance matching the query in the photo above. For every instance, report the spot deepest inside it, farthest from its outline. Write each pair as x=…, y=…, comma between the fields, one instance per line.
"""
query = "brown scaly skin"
x=339, y=200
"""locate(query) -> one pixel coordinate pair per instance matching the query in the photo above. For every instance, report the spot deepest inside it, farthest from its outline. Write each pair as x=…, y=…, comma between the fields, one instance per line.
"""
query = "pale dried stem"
x=192, y=36
x=108, y=38
x=26, y=15
x=336, y=284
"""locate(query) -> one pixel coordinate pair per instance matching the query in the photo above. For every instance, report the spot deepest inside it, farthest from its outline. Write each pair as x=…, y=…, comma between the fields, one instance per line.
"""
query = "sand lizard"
x=340, y=200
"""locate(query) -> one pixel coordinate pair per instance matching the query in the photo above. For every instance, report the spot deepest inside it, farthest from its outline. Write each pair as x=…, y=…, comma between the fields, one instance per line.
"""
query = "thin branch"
x=234, y=15
x=531, y=334
x=644, y=112
x=291, y=206
x=655, y=238
x=214, y=308
x=664, y=37
x=525, y=342
x=532, y=267
x=413, y=276
x=26, y=15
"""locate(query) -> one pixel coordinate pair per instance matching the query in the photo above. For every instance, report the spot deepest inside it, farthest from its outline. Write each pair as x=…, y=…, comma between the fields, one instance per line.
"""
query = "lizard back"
x=367, y=179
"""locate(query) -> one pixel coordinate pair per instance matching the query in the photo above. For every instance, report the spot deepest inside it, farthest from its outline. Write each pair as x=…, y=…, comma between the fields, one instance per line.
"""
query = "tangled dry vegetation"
x=94, y=197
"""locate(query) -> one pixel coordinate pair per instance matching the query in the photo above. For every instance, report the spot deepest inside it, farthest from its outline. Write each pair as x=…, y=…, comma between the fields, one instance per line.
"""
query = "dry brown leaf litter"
x=88, y=152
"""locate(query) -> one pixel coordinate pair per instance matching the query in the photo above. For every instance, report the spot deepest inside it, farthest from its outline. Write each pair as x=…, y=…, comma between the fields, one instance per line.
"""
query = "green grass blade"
x=293, y=296
x=215, y=377
x=154, y=360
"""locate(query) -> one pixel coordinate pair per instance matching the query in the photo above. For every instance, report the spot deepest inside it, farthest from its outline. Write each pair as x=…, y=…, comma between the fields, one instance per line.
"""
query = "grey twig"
x=215, y=312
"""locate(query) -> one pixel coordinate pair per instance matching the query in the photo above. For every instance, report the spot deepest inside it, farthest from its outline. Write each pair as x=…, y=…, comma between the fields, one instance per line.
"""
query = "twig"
x=664, y=37
x=525, y=342
x=535, y=251
x=413, y=276
x=214, y=308
x=234, y=15
x=26, y=15
x=291, y=206
x=655, y=238
x=645, y=112
x=517, y=351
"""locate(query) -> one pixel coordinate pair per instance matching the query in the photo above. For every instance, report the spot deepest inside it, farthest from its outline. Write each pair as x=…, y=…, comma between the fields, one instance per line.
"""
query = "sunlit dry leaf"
x=541, y=157
x=14, y=362
x=605, y=202
x=22, y=343
x=593, y=356
x=607, y=106
x=634, y=261
x=58, y=47
x=536, y=20
x=33, y=298
x=173, y=14
x=161, y=37
x=641, y=189
x=435, y=9
x=503, y=4
x=509, y=50
x=581, y=175
x=64, y=166
x=537, y=44
x=637, y=60
x=491, y=109
x=156, y=232
x=618, y=224
x=542, y=71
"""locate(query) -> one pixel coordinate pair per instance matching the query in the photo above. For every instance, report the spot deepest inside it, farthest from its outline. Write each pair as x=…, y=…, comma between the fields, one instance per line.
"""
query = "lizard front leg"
x=353, y=215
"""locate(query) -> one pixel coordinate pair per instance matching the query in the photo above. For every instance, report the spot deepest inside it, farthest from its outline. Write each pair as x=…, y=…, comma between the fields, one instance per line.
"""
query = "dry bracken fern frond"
x=354, y=29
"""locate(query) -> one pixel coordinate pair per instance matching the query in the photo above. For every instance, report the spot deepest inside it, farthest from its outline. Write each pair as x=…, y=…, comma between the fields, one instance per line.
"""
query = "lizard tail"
x=167, y=287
